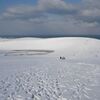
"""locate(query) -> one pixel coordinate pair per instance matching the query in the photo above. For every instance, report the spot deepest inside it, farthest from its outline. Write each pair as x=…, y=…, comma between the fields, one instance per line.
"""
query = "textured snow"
x=26, y=74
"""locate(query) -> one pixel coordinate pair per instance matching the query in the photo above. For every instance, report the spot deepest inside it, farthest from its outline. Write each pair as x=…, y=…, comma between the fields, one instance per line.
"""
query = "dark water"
x=23, y=36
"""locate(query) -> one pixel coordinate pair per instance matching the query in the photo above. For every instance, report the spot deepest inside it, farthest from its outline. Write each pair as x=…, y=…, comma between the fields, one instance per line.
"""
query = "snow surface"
x=71, y=47
x=31, y=69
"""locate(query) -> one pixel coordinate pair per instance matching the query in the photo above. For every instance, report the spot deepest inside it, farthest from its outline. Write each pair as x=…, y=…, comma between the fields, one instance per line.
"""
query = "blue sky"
x=49, y=17
x=7, y=3
x=14, y=2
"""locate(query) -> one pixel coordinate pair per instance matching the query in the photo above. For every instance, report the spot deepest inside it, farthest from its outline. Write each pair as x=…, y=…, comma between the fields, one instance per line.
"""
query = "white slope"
x=49, y=78
x=71, y=47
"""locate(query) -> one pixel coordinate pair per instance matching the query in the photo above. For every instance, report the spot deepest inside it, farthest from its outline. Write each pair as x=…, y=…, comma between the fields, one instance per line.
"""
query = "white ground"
x=26, y=74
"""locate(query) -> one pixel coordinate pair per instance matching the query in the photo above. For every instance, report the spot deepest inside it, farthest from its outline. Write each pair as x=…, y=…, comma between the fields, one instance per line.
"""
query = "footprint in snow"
x=61, y=98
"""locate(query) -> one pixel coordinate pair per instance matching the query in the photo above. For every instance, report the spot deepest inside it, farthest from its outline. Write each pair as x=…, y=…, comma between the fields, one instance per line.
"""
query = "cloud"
x=56, y=6
x=90, y=11
x=52, y=17
x=21, y=12
x=42, y=8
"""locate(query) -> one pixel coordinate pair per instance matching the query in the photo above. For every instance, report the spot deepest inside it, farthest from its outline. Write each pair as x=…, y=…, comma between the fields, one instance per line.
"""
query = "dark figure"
x=62, y=58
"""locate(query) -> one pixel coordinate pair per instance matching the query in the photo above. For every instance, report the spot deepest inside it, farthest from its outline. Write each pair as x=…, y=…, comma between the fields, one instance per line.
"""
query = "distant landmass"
x=49, y=36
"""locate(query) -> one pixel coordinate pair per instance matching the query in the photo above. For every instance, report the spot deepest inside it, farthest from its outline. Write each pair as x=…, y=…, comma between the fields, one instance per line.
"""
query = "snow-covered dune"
x=24, y=76
x=71, y=47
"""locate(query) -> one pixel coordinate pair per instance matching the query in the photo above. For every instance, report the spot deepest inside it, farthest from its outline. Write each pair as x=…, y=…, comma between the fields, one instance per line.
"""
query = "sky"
x=49, y=17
